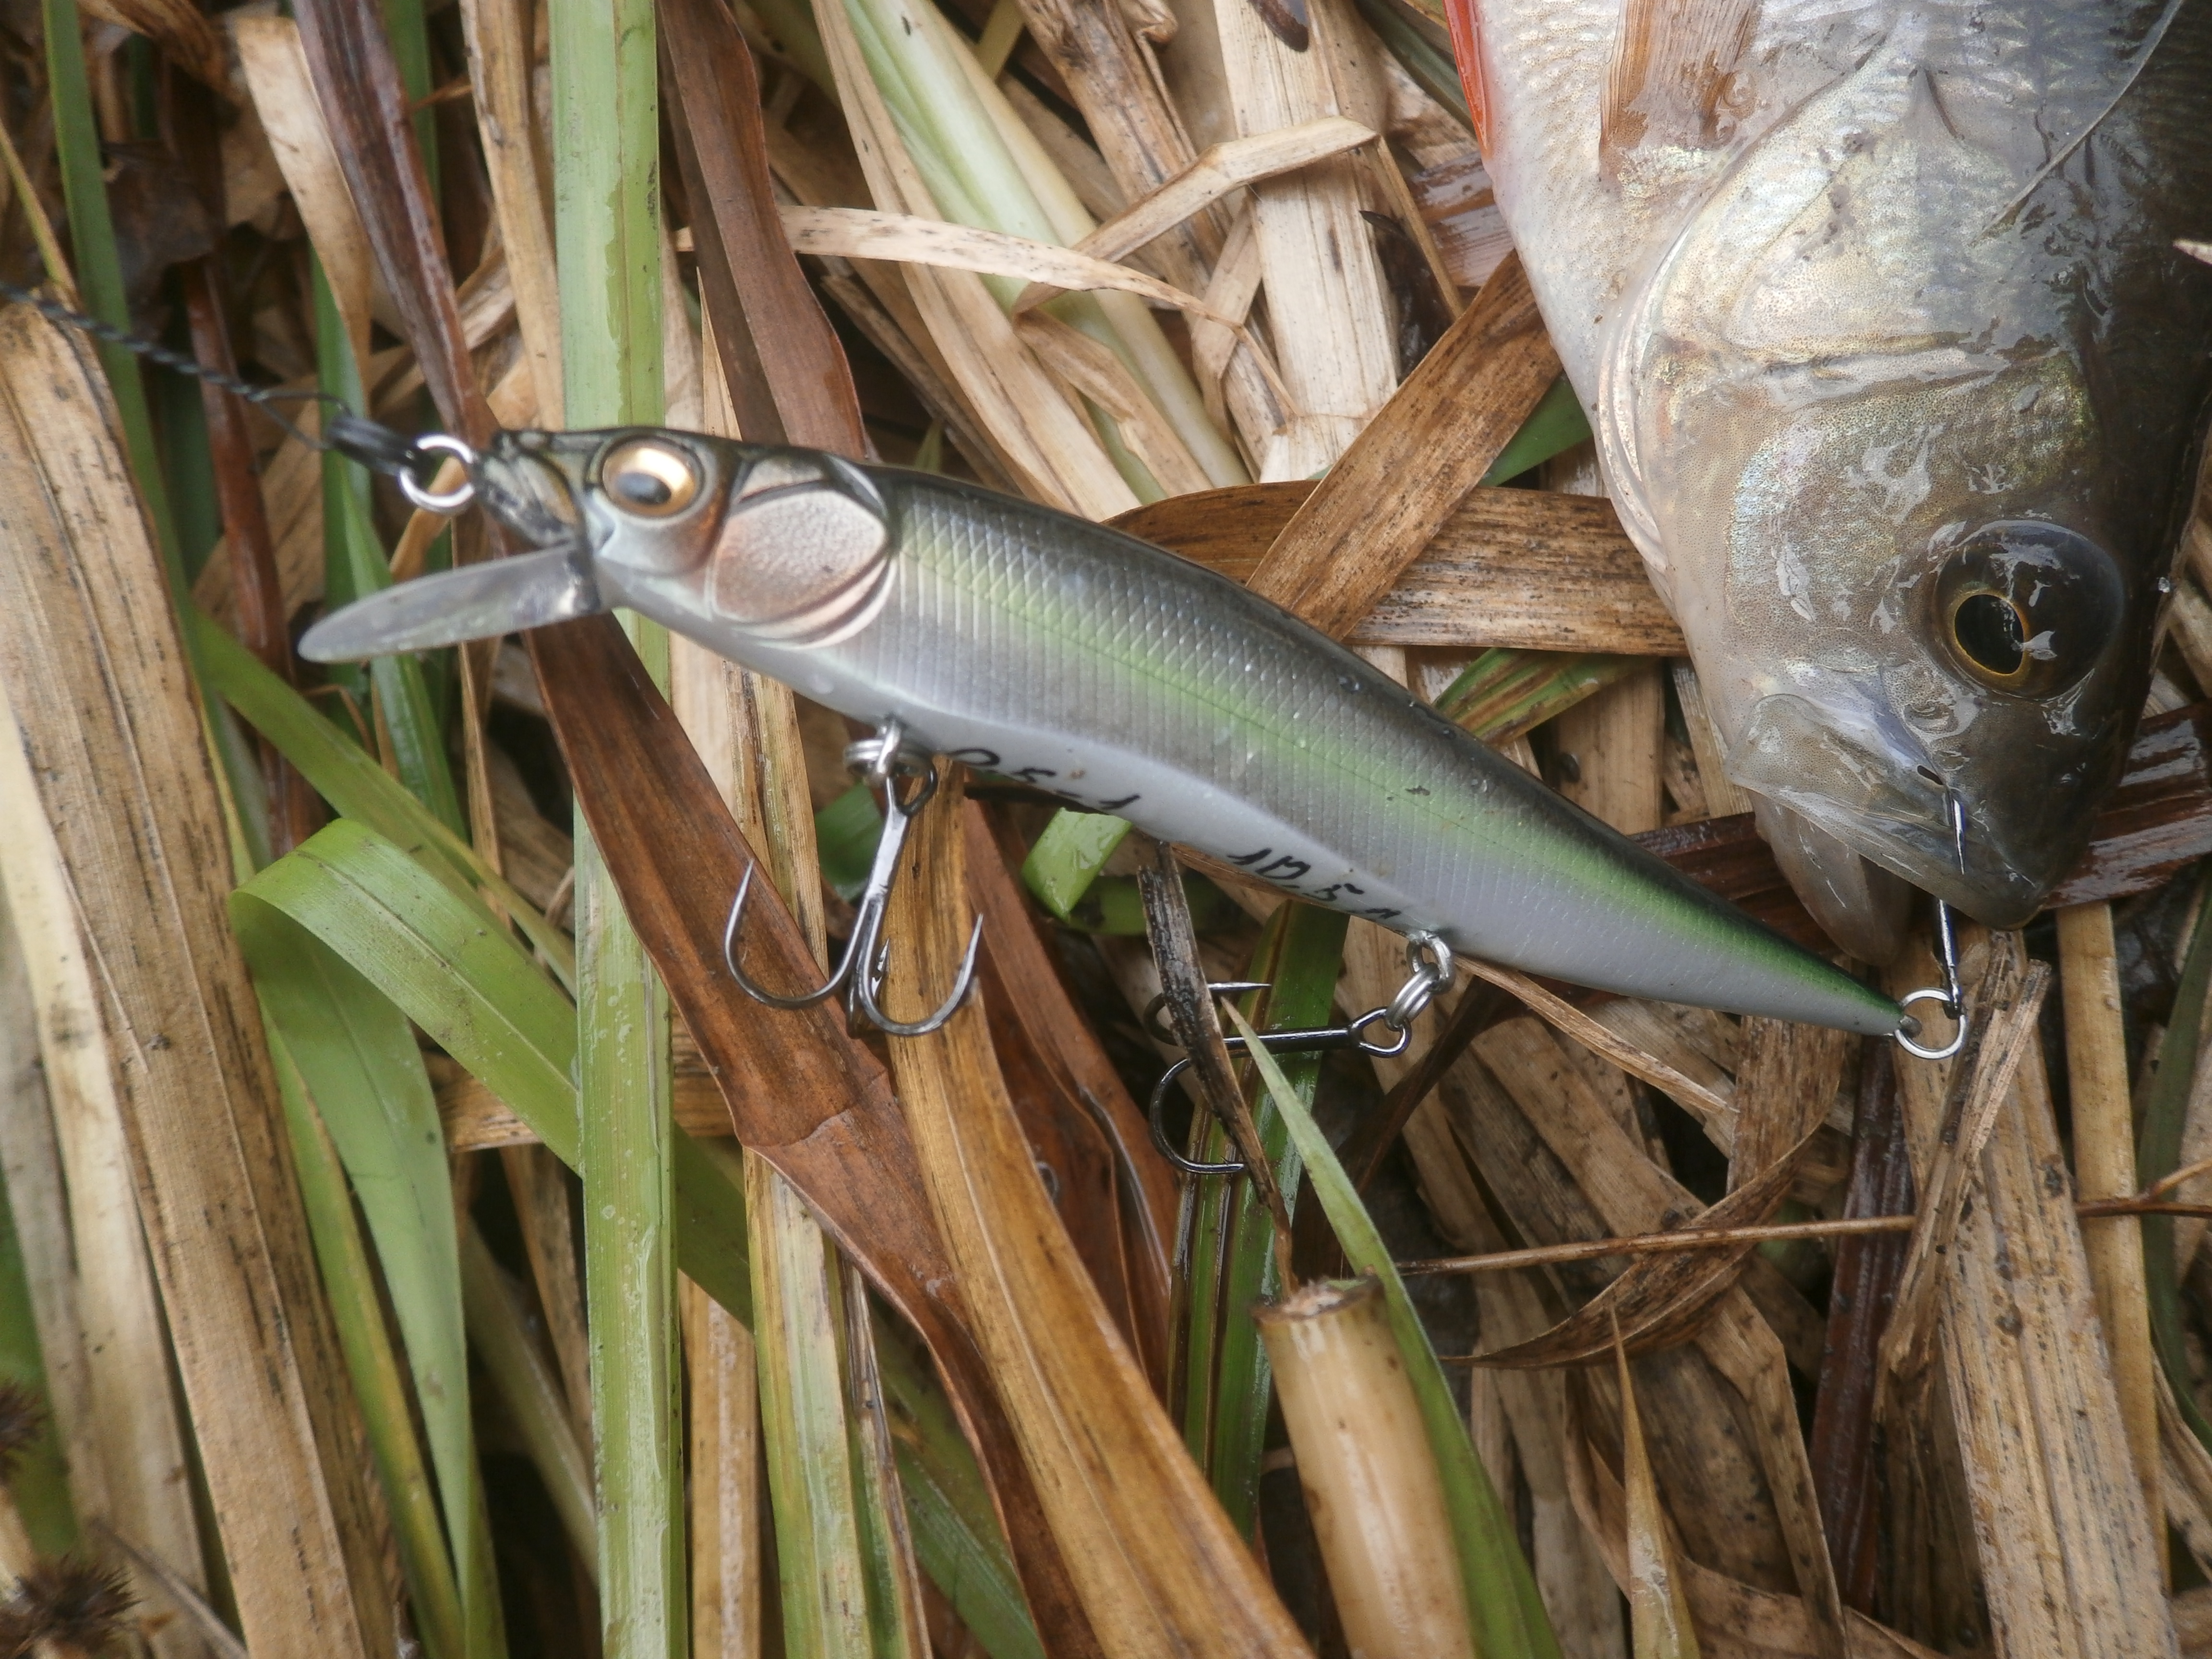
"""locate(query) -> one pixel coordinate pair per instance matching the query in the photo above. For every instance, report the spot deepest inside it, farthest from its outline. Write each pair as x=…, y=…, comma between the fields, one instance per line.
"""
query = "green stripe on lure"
x=1122, y=679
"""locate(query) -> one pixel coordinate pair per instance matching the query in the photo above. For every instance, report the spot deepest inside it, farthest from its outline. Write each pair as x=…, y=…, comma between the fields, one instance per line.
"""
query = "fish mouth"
x=1906, y=818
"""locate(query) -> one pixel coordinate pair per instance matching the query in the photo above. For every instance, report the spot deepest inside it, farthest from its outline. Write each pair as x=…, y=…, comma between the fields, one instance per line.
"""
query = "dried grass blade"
x=861, y=233
x=1662, y=1300
x=2060, y=1527
x=1659, y=1612
x=2007, y=1003
x=1094, y=371
x=1152, y=1555
x=500, y=63
x=275, y=70
x=93, y=672
x=41, y=1339
x=121, y=1423
x=1391, y=491
x=1222, y=167
x=1564, y=1016
x=1529, y=569
x=1325, y=292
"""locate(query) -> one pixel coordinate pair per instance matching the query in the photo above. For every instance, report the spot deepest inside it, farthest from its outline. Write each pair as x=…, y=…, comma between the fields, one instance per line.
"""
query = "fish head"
x=1903, y=418
x=1930, y=633
x=785, y=545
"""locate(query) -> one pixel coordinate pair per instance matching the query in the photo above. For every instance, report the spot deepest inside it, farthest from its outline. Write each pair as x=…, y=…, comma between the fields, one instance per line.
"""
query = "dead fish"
x=1898, y=380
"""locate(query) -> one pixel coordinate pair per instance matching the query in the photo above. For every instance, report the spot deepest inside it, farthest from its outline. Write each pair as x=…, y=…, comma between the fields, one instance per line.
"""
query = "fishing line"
x=371, y=443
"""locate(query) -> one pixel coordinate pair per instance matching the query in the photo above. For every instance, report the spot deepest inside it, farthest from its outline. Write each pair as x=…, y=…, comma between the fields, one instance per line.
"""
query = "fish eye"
x=650, y=478
x=2027, y=608
x=1990, y=630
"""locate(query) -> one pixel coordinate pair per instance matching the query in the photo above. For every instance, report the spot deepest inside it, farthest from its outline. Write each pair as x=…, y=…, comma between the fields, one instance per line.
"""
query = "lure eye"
x=2028, y=608
x=650, y=479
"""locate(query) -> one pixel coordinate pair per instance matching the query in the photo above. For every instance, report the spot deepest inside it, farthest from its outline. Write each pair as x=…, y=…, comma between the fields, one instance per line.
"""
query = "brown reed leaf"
x=1152, y=1556
x=1394, y=487
x=1529, y=568
x=786, y=373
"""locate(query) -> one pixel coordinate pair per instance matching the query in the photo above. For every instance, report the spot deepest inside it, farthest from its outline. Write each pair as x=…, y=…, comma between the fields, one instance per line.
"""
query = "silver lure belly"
x=1126, y=680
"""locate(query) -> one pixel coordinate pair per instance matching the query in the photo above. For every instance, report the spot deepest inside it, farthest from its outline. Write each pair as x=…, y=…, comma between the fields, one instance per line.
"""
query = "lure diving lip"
x=1068, y=656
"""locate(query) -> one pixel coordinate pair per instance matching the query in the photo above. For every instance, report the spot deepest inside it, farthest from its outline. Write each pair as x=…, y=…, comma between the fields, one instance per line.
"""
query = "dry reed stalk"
x=1529, y=569
x=2105, y=1167
x=725, y=1512
x=105, y=1352
x=1608, y=748
x=1392, y=489
x=2067, y=1558
x=1723, y=798
x=1152, y=1555
x=1326, y=298
x=1573, y=1023
x=1370, y=1478
x=94, y=675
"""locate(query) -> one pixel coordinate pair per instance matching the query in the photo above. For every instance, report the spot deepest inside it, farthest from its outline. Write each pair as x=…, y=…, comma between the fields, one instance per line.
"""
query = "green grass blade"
x=1509, y=1617
x=629, y=1273
x=535, y=1404
x=806, y=1440
x=1557, y=424
x=1069, y=855
x=1299, y=955
x=357, y=1056
x=350, y=1282
x=100, y=267
x=956, y=1530
x=477, y=995
x=1505, y=693
x=845, y=836
x=351, y=780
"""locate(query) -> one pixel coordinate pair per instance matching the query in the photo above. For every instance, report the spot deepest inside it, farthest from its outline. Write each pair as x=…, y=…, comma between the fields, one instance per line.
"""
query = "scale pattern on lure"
x=1044, y=648
x=1898, y=379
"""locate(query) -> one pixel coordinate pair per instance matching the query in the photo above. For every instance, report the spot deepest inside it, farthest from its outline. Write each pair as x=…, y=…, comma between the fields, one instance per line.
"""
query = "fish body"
x=1066, y=655
x=1897, y=377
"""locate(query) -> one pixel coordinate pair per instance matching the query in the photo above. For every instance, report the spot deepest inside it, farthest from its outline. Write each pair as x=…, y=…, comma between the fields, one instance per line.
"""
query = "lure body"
x=1122, y=679
x=1898, y=379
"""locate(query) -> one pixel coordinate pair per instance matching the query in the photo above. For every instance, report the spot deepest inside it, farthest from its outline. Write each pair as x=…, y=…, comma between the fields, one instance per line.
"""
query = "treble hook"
x=1951, y=995
x=1429, y=971
x=882, y=761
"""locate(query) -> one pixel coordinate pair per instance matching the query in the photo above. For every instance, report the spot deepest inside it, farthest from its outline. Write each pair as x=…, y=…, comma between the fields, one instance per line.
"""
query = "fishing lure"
x=1899, y=380
x=1116, y=676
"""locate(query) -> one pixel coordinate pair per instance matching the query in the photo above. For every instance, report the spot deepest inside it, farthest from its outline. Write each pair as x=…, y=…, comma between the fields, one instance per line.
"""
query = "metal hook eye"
x=447, y=502
x=1935, y=995
x=1158, y=1118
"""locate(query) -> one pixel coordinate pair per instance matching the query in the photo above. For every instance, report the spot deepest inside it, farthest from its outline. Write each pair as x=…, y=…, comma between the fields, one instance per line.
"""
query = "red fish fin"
x=1467, y=47
x=1672, y=71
